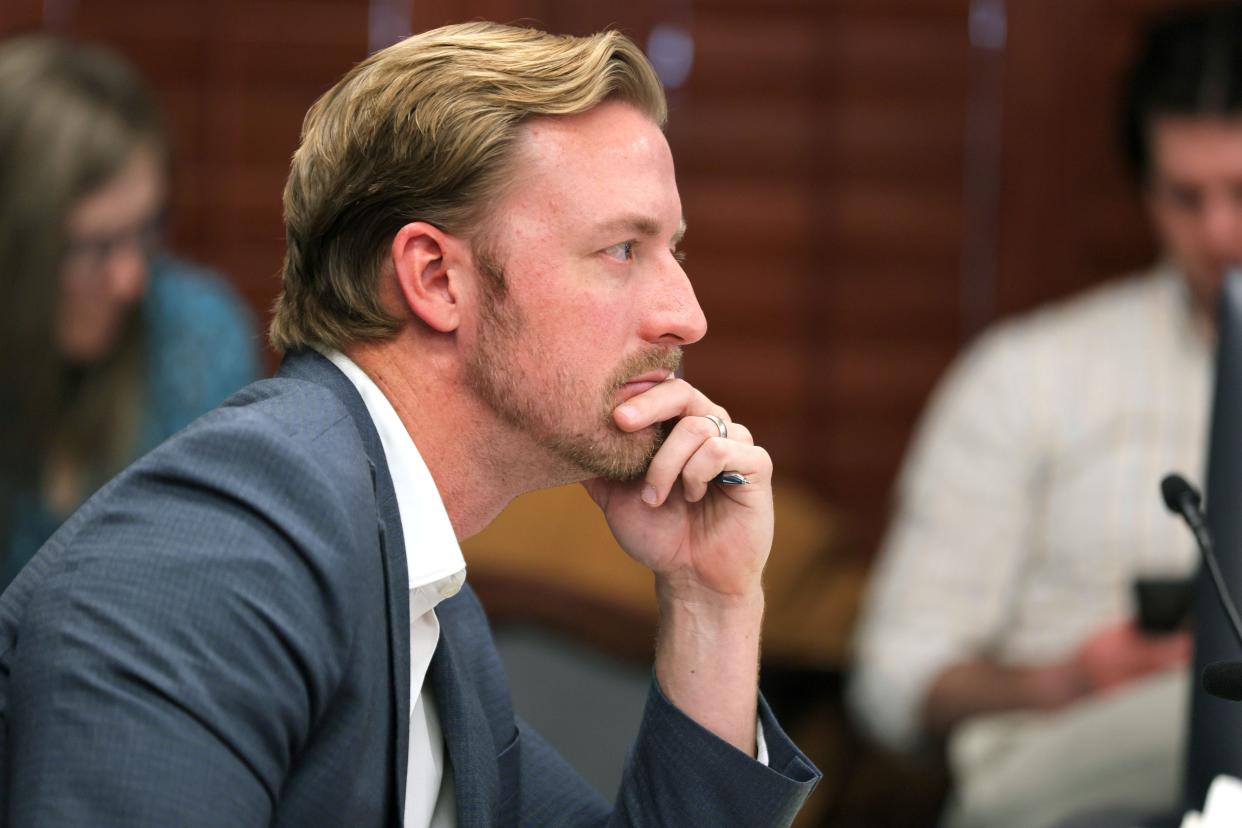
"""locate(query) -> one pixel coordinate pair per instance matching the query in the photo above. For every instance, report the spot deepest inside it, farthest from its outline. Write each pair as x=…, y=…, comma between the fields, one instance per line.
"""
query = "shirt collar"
x=1193, y=327
x=431, y=549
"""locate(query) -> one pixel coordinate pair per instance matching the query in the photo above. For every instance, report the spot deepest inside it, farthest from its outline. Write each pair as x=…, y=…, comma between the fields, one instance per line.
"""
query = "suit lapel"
x=471, y=746
x=311, y=366
x=392, y=547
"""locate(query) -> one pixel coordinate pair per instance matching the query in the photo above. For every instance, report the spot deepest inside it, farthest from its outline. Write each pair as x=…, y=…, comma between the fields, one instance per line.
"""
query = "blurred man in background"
x=107, y=344
x=1002, y=613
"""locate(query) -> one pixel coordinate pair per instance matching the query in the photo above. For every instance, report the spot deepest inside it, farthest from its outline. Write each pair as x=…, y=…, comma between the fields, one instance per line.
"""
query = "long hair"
x=71, y=117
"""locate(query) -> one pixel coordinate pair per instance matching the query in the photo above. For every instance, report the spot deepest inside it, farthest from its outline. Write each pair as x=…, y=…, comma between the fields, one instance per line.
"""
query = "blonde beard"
x=599, y=450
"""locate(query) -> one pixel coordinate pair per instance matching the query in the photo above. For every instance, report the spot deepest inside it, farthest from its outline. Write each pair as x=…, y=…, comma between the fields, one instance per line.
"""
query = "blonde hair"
x=422, y=131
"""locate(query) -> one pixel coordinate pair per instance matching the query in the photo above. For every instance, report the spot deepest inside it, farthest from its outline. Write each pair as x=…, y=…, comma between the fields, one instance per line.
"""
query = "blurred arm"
x=953, y=559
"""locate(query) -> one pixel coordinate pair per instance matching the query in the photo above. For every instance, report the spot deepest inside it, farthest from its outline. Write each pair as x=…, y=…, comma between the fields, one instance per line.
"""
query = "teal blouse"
x=202, y=346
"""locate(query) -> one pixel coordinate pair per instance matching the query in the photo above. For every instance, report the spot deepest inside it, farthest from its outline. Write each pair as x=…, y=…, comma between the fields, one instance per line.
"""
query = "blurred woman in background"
x=107, y=346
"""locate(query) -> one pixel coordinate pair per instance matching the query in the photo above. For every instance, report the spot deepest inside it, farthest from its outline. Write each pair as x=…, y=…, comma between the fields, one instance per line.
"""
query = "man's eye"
x=622, y=252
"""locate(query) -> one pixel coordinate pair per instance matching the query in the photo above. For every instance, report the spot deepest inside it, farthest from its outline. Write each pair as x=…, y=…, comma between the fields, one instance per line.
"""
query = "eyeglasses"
x=92, y=252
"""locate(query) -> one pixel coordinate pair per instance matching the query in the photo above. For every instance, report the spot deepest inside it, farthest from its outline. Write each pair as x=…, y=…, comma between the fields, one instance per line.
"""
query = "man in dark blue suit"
x=263, y=622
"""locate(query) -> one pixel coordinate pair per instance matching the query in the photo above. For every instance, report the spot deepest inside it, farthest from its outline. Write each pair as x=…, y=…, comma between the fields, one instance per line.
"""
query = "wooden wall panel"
x=20, y=16
x=889, y=94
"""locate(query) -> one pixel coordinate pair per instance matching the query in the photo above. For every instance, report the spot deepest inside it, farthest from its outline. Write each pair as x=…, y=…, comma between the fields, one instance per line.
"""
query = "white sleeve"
x=957, y=542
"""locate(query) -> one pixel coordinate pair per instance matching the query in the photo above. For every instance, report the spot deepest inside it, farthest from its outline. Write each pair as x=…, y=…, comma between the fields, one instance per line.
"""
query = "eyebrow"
x=643, y=226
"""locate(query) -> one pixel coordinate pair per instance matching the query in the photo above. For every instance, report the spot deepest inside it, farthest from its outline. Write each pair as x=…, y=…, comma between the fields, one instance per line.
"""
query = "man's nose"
x=673, y=315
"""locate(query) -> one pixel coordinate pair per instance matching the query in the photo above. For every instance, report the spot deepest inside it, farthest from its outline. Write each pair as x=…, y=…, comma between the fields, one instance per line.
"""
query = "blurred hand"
x=1111, y=658
x=1119, y=654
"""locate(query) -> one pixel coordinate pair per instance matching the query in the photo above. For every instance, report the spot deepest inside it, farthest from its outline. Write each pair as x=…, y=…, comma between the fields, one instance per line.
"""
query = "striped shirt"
x=1030, y=500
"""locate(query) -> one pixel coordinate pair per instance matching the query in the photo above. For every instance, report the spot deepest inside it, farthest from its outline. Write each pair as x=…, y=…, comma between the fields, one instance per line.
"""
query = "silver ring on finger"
x=721, y=425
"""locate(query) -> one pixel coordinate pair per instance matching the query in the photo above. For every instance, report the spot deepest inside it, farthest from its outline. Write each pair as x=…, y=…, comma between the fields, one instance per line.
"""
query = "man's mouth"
x=643, y=382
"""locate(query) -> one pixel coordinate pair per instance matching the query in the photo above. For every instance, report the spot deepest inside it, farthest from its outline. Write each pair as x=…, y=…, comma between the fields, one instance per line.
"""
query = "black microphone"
x=1223, y=678
x=1179, y=494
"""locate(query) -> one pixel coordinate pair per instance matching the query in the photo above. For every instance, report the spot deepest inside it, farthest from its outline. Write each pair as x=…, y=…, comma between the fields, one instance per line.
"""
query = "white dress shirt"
x=437, y=571
x=1030, y=499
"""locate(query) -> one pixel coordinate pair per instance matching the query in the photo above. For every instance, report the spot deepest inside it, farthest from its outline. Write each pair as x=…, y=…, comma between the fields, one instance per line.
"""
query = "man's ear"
x=429, y=266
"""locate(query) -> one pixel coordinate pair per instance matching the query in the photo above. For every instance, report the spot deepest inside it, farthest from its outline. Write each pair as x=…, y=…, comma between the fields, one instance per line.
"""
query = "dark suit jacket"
x=221, y=637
